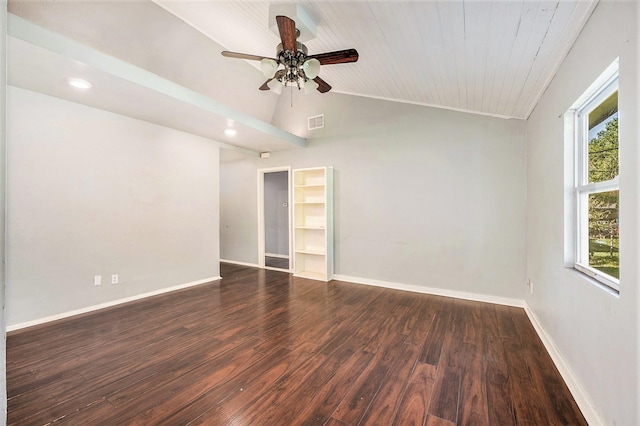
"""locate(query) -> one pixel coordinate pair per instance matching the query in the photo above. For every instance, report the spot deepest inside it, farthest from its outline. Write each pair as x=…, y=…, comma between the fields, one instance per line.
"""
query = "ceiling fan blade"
x=337, y=57
x=244, y=56
x=265, y=85
x=323, y=86
x=287, y=28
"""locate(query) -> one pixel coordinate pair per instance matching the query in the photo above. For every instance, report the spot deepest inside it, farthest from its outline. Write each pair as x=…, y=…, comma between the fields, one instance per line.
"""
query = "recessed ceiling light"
x=230, y=132
x=79, y=83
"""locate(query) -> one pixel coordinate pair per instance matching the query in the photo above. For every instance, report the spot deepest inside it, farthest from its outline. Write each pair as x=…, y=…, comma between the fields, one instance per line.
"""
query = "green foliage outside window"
x=604, y=206
x=603, y=153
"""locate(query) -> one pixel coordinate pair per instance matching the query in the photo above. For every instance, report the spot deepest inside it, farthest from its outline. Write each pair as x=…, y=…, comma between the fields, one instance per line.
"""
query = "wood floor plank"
x=229, y=400
x=544, y=374
x=501, y=410
x=335, y=422
x=378, y=335
x=384, y=406
x=473, y=329
x=473, y=407
x=356, y=402
x=432, y=348
x=437, y=421
x=191, y=398
x=446, y=395
x=192, y=365
x=492, y=348
x=366, y=313
x=527, y=398
x=263, y=347
x=413, y=407
x=424, y=319
x=294, y=389
x=506, y=327
x=117, y=375
x=164, y=395
x=318, y=411
x=299, y=394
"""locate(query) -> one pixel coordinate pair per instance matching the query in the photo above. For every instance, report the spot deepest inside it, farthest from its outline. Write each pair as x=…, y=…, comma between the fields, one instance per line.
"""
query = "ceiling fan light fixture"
x=311, y=68
x=268, y=67
x=275, y=85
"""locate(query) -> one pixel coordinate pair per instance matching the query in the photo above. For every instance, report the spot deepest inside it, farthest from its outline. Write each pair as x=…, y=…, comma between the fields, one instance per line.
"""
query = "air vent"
x=316, y=122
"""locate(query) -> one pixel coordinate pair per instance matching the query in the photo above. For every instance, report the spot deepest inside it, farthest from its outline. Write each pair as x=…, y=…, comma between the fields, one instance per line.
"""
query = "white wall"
x=3, y=139
x=594, y=331
x=238, y=211
x=637, y=238
x=93, y=193
x=424, y=197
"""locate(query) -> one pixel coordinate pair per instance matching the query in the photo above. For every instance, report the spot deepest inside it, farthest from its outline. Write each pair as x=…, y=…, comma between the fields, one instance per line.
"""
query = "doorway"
x=274, y=213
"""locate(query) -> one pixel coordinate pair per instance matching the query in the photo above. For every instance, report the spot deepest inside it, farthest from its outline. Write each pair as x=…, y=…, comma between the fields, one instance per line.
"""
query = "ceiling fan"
x=298, y=68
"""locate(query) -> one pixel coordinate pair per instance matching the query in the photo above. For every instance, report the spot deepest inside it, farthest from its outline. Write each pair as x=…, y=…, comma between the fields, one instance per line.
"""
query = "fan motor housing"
x=299, y=46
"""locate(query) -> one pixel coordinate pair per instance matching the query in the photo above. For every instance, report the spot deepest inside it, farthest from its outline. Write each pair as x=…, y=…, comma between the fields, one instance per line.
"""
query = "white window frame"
x=578, y=131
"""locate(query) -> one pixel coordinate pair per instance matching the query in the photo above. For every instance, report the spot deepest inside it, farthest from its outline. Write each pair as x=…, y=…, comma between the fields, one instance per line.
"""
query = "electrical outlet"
x=97, y=279
x=114, y=279
x=530, y=284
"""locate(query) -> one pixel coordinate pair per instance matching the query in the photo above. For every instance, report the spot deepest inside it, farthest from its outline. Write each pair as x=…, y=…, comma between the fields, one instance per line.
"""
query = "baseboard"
x=576, y=390
x=277, y=256
x=106, y=304
x=435, y=291
x=234, y=262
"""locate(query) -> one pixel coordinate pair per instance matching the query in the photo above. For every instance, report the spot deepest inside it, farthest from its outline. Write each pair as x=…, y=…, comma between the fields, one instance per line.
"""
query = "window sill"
x=596, y=280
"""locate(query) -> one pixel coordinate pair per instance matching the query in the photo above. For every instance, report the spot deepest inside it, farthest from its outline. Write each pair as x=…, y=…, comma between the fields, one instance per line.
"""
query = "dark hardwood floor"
x=263, y=348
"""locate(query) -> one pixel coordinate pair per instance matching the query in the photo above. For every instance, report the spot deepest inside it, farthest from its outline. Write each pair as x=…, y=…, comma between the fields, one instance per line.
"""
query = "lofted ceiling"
x=486, y=57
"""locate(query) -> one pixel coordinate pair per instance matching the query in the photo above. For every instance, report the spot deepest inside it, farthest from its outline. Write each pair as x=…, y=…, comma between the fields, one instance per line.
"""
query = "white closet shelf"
x=312, y=252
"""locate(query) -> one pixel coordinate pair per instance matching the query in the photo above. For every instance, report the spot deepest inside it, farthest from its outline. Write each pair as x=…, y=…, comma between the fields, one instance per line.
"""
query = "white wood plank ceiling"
x=487, y=57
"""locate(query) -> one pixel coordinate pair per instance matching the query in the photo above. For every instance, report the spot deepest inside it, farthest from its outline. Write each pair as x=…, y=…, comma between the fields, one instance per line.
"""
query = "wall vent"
x=316, y=122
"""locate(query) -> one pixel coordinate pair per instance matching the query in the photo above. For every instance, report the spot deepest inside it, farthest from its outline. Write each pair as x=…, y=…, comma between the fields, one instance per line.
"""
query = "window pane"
x=604, y=233
x=603, y=140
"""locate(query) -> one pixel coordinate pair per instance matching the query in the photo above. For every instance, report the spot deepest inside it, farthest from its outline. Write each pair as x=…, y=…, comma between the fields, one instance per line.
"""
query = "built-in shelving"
x=313, y=223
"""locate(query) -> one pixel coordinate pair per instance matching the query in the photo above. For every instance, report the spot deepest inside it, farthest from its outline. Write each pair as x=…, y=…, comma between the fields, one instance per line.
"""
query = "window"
x=596, y=187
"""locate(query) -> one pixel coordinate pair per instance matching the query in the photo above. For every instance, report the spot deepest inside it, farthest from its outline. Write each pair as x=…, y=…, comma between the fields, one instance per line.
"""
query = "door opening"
x=274, y=219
